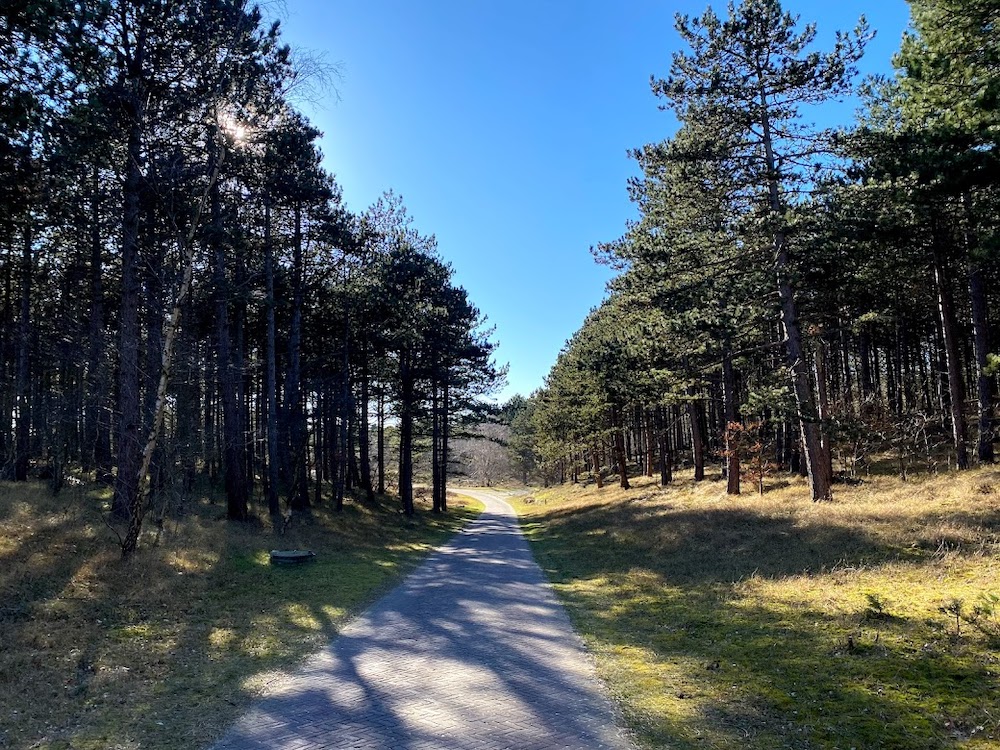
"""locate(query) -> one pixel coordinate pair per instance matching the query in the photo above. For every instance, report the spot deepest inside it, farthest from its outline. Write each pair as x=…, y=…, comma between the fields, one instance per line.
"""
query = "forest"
x=793, y=298
x=204, y=354
x=186, y=297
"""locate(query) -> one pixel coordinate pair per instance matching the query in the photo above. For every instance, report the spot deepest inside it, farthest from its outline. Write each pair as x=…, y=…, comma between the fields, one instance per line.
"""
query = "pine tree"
x=749, y=75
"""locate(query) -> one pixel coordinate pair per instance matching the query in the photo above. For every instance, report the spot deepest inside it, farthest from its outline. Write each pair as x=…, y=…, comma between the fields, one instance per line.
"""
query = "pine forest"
x=792, y=298
x=186, y=295
x=268, y=479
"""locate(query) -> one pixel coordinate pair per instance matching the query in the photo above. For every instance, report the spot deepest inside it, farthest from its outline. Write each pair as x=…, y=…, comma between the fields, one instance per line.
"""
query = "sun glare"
x=234, y=129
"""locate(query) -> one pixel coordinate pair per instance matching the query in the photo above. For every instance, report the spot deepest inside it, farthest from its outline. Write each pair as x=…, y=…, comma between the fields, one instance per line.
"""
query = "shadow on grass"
x=165, y=652
x=256, y=621
x=719, y=544
x=46, y=626
x=472, y=645
x=731, y=612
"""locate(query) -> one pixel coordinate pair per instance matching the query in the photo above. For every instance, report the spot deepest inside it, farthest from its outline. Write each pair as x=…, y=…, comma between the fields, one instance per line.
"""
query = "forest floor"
x=165, y=651
x=766, y=622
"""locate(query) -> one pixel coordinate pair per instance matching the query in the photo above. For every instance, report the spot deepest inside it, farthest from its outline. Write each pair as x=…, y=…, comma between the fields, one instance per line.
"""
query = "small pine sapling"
x=750, y=443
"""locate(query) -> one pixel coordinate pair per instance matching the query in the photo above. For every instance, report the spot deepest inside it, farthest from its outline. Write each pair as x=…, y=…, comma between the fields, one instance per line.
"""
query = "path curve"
x=471, y=652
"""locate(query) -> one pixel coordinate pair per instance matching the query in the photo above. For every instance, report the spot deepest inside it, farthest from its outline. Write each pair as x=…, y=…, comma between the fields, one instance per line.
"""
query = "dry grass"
x=164, y=652
x=773, y=622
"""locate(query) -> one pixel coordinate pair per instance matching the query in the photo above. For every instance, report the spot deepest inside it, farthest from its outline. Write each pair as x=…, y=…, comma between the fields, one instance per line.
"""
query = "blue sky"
x=505, y=126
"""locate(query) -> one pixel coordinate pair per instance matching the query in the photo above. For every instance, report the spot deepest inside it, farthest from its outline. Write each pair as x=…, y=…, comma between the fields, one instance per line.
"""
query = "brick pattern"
x=471, y=652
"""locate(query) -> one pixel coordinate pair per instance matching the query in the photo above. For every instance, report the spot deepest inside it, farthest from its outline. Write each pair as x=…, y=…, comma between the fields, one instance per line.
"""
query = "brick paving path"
x=471, y=652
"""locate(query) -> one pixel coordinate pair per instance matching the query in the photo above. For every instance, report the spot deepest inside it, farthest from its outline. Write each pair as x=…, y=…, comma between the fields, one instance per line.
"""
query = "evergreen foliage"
x=186, y=296
x=826, y=293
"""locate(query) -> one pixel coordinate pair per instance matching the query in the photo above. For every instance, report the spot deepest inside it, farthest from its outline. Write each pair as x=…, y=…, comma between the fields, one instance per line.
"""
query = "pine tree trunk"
x=8, y=371
x=22, y=433
x=406, y=407
x=210, y=449
x=237, y=495
x=189, y=405
x=847, y=388
x=697, y=418
x=823, y=402
x=327, y=416
x=445, y=422
x=731, y=418
x=877, y=373
x=337, y=428
x=650, y=441
x=666, y=456
x=125, y=504
x=621, y=459
x=97, y=432
x=910, y=386
x=949, y=335
x=817, y=462
x=380, y=442
x=677, y=423
x=984, y=383
x=343, y=427
x=153, y=269
x=435, y=451
x=865, y=381
x=164, y=368
x=298, y=494
x=319, y=446
x=353, y=474
x=364, y=439
x=899, y=354
x=271, y=380
x=595, y=461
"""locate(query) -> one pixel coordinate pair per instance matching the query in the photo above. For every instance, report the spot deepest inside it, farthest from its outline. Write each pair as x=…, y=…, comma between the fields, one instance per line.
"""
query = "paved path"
x=471, y=652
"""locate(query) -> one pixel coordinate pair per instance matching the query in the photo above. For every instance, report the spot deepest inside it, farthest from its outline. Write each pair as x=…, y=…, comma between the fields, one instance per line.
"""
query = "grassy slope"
x=772, y=622
x=164, y=652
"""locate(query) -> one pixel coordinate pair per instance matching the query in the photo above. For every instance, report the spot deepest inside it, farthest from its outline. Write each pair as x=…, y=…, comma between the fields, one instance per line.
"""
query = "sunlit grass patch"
x=776, y=622
x=165, y=652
